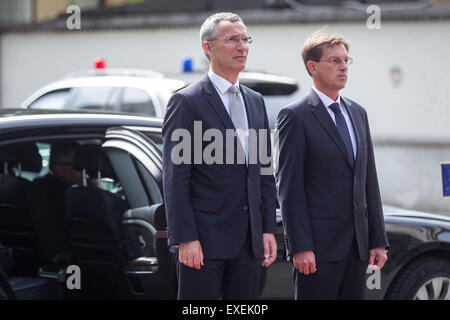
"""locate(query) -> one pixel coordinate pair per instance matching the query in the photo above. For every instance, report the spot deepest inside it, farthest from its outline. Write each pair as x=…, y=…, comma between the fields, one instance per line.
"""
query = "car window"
x=125, y=170
x=156, y=138
x=24, y=172
x=51, y=100
x=272, y=88
x=91, y=98
x=44, y=151
x=136, y=100
x=152, y=186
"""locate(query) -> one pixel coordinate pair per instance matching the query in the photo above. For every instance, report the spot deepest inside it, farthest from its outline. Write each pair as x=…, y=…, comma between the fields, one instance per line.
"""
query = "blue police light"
x=187, y=65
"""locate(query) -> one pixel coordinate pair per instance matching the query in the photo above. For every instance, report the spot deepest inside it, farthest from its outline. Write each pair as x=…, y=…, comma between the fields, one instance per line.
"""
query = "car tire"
x=425, y=279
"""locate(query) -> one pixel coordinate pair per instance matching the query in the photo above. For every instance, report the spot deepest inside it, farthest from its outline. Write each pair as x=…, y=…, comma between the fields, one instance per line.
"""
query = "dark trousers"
x=342, y=280
x=235, y=279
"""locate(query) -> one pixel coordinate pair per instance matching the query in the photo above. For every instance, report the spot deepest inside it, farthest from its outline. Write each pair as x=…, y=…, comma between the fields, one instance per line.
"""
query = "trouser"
x=341, y=280
x=234, y=279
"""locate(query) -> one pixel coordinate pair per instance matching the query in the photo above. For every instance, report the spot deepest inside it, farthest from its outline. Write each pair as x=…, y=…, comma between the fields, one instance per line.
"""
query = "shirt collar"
x=326, y=100
x=220, y=83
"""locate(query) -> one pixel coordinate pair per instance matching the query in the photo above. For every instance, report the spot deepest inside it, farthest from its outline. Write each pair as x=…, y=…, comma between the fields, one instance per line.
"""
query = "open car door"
x=137, y=163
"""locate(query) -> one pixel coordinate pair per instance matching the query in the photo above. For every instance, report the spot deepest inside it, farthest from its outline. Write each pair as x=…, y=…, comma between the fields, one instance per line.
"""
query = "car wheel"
x=424, y=279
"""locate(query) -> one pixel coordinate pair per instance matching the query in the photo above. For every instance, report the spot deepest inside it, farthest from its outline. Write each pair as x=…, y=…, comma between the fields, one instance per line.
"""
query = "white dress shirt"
x=327, y=101
x=222, y=85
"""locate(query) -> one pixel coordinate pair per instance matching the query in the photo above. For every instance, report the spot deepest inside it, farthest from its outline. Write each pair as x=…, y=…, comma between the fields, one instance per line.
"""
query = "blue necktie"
x=343, y=130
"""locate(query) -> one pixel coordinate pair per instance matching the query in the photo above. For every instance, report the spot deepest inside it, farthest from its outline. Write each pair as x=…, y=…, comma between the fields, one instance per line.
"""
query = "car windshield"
x=52, y=100
x=91, y=98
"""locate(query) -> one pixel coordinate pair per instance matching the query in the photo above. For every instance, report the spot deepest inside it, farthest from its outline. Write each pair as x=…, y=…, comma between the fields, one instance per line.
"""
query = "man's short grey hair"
x=208, y=30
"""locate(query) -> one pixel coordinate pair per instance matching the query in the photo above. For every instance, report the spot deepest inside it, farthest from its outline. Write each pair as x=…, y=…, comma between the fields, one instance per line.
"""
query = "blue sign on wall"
x=445, y=167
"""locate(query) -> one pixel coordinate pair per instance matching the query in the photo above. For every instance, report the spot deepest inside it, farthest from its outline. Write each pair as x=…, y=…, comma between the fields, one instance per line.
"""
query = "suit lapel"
x=321, y=113
x=216, y=103
x=353, y=114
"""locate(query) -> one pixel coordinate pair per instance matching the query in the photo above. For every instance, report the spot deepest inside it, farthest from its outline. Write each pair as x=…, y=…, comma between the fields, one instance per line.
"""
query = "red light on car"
x=99, y=63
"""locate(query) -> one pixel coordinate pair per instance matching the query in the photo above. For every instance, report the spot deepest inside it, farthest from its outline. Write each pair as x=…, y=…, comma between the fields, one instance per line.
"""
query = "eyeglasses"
x=235, y=39
x=338, y=62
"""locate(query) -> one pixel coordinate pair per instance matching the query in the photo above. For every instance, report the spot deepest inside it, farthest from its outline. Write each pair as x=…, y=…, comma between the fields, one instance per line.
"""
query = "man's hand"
x=305, y=262
x=378, y=257
x=190, y=254
x=270, y=249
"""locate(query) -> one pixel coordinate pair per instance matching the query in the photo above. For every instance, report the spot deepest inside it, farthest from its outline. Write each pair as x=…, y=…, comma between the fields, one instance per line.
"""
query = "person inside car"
x=61, y=176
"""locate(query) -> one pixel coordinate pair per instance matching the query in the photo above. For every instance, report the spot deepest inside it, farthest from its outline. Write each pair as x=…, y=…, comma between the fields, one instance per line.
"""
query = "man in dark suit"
x=220, y=214
x=327, y=181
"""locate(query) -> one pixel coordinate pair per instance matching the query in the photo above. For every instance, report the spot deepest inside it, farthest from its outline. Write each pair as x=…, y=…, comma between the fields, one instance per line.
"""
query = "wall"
x=16, y=11
x=49, y=9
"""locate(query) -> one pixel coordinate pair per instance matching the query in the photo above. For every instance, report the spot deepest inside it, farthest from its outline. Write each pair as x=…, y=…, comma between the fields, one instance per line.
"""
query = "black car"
x=418, y=266
x=109, y=240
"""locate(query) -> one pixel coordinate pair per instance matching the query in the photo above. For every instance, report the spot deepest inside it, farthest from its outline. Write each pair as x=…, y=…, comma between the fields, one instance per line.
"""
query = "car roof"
x=39, y=119
x=395, y=212
x=143, y=82
x=268, y=84
x=114, y=81
x=115, y=72
x=117, y=81
x=246, y=76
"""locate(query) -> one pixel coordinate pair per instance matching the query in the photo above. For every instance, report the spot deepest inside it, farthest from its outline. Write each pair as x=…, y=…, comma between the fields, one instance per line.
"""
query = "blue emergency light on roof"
x=99, y=63
x=187, y=65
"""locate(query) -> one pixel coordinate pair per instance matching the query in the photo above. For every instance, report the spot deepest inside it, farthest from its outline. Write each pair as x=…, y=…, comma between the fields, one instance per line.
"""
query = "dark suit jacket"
x=215, y=203
x=324, y=202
